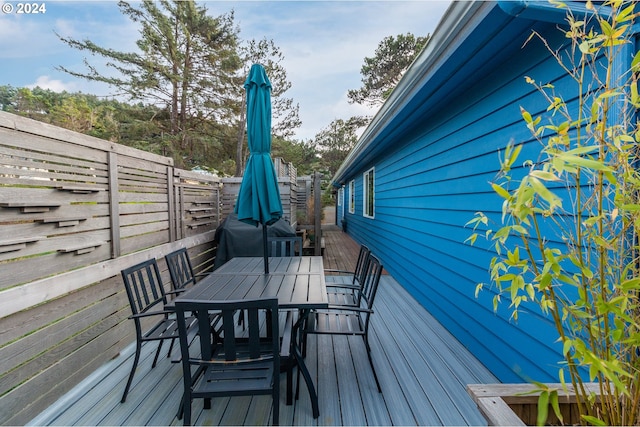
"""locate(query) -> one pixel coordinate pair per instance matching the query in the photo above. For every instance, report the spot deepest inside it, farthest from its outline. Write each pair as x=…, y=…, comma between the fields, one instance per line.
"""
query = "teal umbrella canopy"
x=259, y=197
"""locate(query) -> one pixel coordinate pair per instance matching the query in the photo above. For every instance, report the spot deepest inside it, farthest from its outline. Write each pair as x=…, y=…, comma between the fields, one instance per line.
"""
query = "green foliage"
x=336, y=140
x=186, y=74
x=300, y=153
x=576, y=256
x=382, y=72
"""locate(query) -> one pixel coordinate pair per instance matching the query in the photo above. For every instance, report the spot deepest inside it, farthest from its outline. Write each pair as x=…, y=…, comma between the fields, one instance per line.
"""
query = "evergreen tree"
x=336, y=140
x=187, y=66
x=7, y=94
x=382, y=72
x=285, y=114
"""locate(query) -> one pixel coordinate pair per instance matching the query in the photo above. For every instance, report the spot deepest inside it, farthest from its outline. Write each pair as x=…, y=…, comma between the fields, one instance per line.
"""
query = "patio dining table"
x=297, y=282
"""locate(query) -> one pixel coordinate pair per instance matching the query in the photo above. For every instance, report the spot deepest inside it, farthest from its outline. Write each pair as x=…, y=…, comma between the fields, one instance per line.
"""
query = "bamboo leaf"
x=606, y=27
x=631, y=284
x=520, y=229
x=585, y=163
x=501, y=191
x=585, y=47
x=555, y=404
x=609, y=94
x=543, y=408
x=544, y=175
x=511, y=153
x=635, y=99
x=625, y=14
x=479, y=288
x=635, y=63
x=593, y=420
x=587, y=149
x=544, y=192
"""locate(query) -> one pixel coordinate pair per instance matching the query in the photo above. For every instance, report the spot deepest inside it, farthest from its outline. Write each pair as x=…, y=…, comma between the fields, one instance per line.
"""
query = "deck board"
x=423, y=371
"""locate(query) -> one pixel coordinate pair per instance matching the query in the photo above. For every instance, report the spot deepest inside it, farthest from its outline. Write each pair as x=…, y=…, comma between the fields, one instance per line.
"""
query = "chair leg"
x=187, y=413
x=303, y=336
x=373, y=369
x=155, y=359
x=289, y=396
x=276, y=402
x=181, y=408
x=185, y=409
x=136, y=358
x=170, y=347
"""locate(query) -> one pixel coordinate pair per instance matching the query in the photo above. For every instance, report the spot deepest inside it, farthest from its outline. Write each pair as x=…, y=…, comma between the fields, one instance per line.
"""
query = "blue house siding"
x=434, y=160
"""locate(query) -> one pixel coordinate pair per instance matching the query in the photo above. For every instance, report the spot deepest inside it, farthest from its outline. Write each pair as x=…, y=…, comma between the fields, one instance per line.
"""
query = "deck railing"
x=74, y=211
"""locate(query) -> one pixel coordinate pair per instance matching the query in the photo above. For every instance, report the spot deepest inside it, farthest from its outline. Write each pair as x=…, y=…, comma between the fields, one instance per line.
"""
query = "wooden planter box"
x=517, y=404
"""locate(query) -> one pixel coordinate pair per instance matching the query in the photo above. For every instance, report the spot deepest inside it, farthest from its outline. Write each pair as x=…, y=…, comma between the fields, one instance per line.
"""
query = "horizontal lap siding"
x=432, y=184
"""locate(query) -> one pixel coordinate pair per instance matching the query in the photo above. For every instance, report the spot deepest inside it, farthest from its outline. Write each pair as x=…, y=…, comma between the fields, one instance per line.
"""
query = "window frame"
x=369, y=193
x=352, y=196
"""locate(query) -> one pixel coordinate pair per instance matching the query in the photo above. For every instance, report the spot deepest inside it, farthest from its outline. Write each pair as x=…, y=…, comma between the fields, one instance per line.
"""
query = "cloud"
x=324, y=44
x=45, y=82
x=21, y=38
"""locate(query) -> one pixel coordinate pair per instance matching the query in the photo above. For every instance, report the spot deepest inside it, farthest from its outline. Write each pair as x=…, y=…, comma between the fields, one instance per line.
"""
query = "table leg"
x=302, y=367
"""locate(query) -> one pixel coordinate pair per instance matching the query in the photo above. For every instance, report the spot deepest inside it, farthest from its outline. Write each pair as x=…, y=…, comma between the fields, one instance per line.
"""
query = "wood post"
x=317, y=206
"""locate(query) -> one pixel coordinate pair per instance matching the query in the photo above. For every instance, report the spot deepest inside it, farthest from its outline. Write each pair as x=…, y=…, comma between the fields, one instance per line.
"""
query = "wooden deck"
x=422, y=369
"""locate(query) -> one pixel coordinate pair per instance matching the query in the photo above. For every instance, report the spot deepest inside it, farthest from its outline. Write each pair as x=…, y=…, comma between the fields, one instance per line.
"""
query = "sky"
x=324, y=44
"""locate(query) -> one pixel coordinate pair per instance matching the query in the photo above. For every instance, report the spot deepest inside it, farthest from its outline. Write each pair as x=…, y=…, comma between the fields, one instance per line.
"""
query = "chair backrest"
x=144, y=286
x=370, y=286
x=251, y=336
x=363, y=258
x=285, y=246
x=371, y=279
x=180, y=269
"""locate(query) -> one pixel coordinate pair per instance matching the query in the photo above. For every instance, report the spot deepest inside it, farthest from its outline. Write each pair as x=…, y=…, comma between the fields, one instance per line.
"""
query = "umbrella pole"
x=266, y=252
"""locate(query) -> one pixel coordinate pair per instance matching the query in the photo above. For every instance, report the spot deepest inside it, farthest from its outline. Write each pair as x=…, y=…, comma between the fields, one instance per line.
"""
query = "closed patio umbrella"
x=259, y=197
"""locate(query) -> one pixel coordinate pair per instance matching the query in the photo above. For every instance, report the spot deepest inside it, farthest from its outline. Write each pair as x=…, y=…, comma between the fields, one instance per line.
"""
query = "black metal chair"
x=284, y=246
x=181, y=270
x=182, y=277
x=244, y=363
x=348, y=320
x=147, y=298
x=345, y=287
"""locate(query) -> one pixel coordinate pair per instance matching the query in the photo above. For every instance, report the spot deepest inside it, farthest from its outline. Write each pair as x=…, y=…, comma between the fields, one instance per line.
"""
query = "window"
x=368, y=199
x=340, y=196
x=352, y=197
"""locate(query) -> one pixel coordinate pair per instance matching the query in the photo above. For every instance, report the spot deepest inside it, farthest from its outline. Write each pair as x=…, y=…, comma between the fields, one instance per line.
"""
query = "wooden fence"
x=74, y=211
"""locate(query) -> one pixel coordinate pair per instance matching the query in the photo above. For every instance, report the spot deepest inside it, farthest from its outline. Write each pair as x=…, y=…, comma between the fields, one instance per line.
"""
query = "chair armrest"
x=330, y=270
x=192, y=333
x=150, y=313
x=343, y=286
x=347, y=308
